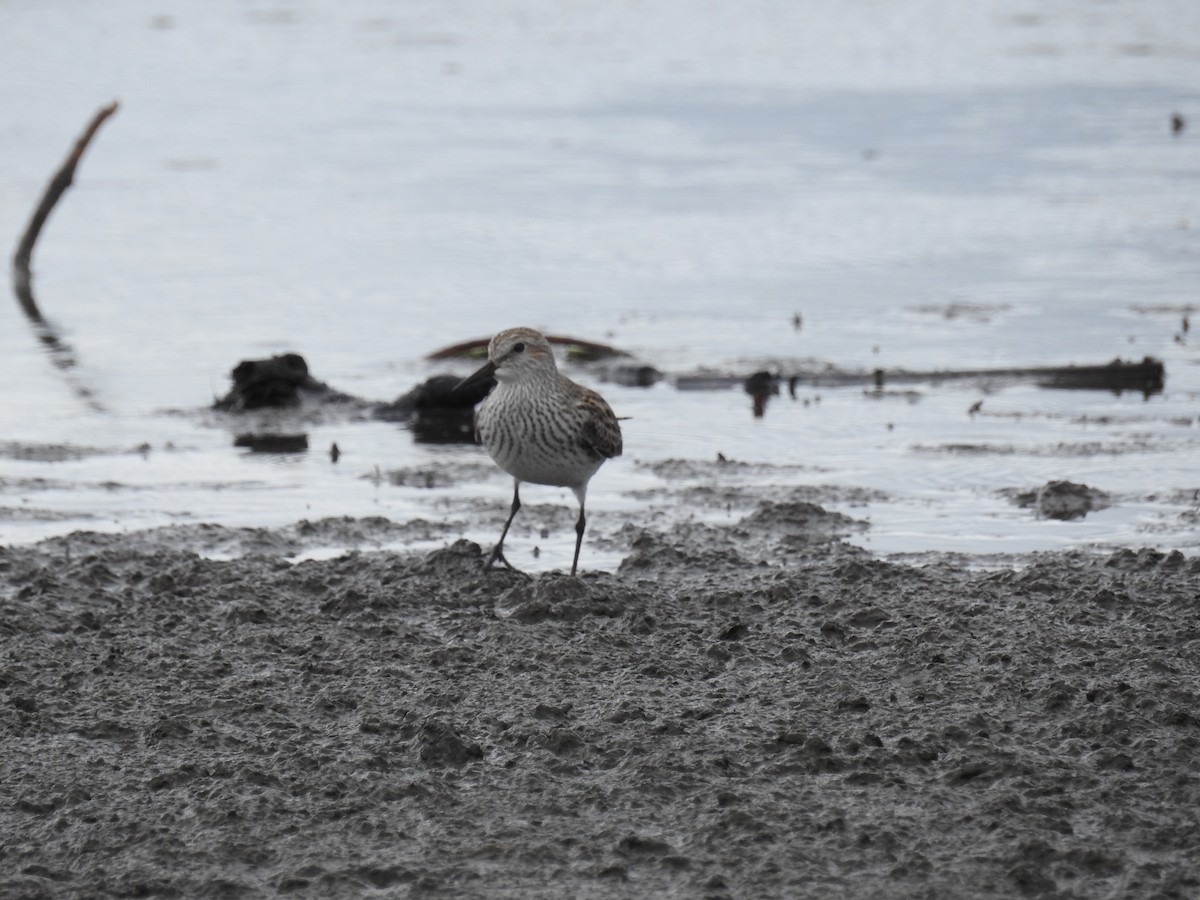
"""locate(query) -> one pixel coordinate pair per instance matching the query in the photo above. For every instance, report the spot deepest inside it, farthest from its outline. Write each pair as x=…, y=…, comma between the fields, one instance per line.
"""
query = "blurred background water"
x=929, y=184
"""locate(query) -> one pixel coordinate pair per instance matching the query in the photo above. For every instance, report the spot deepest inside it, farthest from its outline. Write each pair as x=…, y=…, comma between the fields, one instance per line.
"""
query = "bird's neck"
x=534, y=382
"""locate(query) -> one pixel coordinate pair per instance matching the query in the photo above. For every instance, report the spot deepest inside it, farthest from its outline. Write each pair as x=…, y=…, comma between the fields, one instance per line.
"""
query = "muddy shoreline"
x=708, y=721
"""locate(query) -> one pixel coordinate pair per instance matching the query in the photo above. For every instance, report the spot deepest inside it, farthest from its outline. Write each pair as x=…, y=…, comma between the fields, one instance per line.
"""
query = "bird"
x=539, y=426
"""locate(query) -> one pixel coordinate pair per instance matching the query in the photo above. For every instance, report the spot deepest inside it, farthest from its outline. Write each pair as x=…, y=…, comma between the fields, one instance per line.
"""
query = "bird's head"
x=514, y=355
x=519, y=353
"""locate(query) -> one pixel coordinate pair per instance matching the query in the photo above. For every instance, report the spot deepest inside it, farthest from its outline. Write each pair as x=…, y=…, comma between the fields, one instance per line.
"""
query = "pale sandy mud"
x=713, y=720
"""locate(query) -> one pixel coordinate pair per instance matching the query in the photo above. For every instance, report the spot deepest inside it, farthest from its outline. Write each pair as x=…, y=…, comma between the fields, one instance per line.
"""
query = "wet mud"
x=752, y=711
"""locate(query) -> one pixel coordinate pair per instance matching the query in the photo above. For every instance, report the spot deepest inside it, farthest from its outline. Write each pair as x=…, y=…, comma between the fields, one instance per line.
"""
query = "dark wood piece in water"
x=436, y=412
x=275, y=383
x=434, y=395
x=273, y=443
x=1147, y=377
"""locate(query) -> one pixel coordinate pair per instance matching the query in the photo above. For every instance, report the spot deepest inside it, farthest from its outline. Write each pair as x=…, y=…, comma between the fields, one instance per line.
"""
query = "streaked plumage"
x=540, y=426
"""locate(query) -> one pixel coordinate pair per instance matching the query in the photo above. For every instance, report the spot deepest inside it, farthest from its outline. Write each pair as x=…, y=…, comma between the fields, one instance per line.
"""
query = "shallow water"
x=929, y=186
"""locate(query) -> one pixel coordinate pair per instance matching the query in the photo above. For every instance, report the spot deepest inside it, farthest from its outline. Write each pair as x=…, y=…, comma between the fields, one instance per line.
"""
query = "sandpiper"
x=539, y=425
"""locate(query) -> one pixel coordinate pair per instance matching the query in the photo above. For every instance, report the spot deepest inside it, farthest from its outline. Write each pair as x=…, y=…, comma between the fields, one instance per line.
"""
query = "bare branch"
x=63, y=178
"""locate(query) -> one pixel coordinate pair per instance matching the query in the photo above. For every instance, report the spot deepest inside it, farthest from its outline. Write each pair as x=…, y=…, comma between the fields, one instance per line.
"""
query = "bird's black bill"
x=483, y=376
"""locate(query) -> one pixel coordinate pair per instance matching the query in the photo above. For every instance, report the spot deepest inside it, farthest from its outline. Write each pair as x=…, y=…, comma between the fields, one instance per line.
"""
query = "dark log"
x=276, y=383
x=435, y=395
x=1147, y=377
x=436, y=412
x=433, y=410
x=273, y=443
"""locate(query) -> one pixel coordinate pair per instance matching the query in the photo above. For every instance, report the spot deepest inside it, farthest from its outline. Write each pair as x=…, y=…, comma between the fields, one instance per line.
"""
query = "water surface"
x=928, y=186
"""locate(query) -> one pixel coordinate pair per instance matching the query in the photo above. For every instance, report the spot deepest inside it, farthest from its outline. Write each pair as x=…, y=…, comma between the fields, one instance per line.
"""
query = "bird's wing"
x=601, y=431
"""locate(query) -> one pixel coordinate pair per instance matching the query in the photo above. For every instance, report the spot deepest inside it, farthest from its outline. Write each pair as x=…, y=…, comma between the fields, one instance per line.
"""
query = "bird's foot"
x=498, y=557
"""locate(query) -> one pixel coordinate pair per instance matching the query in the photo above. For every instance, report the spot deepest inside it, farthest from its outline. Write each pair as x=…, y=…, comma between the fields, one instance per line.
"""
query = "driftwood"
x=577, y=350
x=62, y=355
x=63, y=179
x=437, y=413
x=433, y=410
x=1146, y=377
x=276, y=383
x=273, y=443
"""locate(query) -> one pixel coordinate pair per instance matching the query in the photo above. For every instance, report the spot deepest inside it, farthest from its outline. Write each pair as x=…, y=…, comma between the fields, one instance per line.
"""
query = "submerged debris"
x=1147, y=377
x=436, y=411
x=276, y=383
x=761, y=386
x=273, y=443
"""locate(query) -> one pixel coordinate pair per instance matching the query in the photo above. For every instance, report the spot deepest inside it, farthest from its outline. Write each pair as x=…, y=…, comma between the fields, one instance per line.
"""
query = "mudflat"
x=712, y=720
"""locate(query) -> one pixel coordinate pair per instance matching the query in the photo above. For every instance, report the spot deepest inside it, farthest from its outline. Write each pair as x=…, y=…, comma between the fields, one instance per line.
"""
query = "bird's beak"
x=484, y=373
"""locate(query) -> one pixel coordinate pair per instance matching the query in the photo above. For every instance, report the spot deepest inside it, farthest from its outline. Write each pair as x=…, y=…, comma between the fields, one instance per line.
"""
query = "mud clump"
x=1064, y=500
x=711, y=721
x=797, y=523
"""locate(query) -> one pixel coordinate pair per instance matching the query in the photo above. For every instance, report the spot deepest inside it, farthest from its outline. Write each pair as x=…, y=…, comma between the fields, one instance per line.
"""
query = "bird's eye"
x=518, y=348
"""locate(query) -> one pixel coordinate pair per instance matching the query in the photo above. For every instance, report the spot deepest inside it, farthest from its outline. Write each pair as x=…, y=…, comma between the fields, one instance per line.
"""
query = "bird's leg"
x=498, y=550
x=579, y=526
